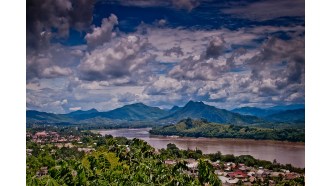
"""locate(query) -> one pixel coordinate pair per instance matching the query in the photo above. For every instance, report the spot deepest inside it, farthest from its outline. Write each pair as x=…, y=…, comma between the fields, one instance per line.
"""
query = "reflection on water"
x=283, y=152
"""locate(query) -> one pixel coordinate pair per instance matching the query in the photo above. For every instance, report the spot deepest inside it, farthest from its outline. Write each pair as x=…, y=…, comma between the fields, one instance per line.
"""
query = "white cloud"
x=102, y=34
x=123, y=61
x=74, y=108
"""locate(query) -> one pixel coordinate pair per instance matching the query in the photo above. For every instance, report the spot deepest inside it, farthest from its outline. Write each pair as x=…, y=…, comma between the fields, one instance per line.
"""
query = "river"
x=283, y=152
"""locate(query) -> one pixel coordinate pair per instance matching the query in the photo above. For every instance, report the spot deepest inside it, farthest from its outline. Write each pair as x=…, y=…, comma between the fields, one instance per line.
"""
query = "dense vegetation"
x=120, y=161
x=203, y=128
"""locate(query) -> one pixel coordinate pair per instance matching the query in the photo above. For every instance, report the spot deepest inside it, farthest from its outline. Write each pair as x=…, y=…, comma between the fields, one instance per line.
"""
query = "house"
x=216, y=164
x=291, y=176
x=43, y=171
x=192, y=165
x=252, y=179
x=29, y=152
x=170, y=162
x=251, y=173
x=60, y=145
x=237, y=174
x=276, y=174
x=219, y=172
x=42, y=134
x=223, y=179
x=260, y=173
x=228, y=169
x=54, y=134
x=233, y=181
x=156, y=151
x=86, y=150
x=242, y=168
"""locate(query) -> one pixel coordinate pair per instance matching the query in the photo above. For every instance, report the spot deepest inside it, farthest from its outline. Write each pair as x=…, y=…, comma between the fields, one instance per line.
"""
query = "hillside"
x=297, y=115
x=202, y=128
x=134, y=112
x=254, y=111
x=289, y=113
x=36, y=116
x=198, y=110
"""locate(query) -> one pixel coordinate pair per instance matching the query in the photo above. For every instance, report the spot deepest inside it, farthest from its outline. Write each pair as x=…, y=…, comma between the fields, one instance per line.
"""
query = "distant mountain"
x=254, y=111
x=133, y=112
x=262, y=112
x=35, y=116
x=198, y=110
x=297, y=115
x=81, y=114
x=174, y=109
x=137, y=111
x=142, y=113
x=288, y=107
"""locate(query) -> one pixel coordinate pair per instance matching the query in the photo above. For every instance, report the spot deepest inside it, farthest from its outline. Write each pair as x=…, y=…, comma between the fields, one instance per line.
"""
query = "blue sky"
x=106, y=54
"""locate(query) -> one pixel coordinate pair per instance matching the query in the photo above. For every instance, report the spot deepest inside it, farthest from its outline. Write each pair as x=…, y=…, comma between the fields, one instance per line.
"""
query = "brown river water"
x=283, y=152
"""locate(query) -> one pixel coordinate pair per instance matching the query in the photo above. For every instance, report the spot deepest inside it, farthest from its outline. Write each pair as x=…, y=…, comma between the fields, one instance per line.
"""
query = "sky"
x=86, y=54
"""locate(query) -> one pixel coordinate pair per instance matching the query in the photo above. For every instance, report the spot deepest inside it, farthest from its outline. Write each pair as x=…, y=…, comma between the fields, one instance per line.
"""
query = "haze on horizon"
x=106, y=54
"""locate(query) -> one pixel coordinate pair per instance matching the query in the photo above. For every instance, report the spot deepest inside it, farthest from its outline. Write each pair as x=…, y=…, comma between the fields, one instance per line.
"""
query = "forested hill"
x=289, y=113
x=134, y=114
x=198, y=110
x=202, y=128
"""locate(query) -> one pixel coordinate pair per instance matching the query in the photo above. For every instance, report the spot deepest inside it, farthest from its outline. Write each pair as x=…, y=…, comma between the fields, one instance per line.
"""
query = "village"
x=237, y=174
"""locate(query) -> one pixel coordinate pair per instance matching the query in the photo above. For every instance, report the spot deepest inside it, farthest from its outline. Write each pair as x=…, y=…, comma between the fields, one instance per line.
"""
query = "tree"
x=206, y=174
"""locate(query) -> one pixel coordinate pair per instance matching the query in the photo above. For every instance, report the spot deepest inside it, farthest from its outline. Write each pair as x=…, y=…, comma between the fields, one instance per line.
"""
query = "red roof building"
x=237, y=174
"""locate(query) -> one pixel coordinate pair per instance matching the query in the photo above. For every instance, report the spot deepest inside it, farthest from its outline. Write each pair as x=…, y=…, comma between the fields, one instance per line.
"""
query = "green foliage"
x=200, y=128
x=206, y=174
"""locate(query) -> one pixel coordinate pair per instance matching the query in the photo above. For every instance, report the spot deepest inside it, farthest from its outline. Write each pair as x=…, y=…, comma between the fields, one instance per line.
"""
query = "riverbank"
x=284, y=152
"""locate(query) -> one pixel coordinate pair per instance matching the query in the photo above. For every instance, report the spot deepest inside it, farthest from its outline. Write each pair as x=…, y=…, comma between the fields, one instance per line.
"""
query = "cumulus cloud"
x=177, y=51
x=53, y=100
x=42, y=67
x=161, y=22
x=215, y=48
x=176, y=44
x=163, y=86
x=123, y=59
x=185, y=4
x=103, y=33
x=281, y=60
x=49, y=19
x=57, y=61
x=268, y=75
x=206, y=66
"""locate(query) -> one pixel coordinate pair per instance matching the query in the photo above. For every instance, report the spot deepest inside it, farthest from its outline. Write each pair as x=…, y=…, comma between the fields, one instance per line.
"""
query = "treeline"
x=202, y=128
x=96, y=125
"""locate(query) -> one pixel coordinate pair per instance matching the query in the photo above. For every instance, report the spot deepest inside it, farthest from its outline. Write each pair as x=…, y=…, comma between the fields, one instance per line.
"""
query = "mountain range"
x=287, y=113
x=140, y=112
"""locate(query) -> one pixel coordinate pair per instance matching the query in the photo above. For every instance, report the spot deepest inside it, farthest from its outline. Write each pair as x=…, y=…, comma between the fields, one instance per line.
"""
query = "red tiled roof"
x=237, y=173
